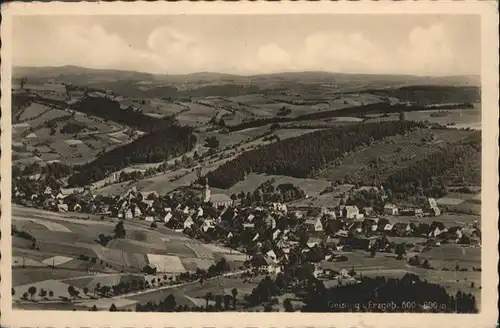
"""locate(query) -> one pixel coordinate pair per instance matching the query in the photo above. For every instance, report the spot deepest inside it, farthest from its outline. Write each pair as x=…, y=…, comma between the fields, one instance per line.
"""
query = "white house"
x=77, y=207
x=391, y=209
x=128, y=214
x=167, y=217
x=314, y=224
x=62, y=207
x=351, y=211
x=137, y=211
x=188, y=222
x=48, y=191
x=207, y=224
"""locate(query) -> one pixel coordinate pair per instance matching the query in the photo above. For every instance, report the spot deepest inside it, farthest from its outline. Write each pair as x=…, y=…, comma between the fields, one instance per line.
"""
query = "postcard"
x=253, y=164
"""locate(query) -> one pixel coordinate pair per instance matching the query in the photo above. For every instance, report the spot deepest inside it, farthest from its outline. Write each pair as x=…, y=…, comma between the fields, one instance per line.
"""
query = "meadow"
x=61, y=239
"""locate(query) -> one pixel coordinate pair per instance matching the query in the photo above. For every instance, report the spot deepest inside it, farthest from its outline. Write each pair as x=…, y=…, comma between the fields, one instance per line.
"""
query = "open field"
x=63, y=237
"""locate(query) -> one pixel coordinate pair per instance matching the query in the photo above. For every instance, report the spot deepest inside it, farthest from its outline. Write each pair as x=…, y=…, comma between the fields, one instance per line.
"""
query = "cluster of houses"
x=269, y=232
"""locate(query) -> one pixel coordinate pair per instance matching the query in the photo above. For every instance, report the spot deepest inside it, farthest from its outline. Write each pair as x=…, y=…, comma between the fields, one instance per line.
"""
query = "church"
x=217, y=200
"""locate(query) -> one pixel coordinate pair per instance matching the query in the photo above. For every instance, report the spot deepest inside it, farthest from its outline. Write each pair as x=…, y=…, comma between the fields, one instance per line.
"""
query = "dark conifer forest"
x=156, y=146
x=110, y=110
x=302, y=156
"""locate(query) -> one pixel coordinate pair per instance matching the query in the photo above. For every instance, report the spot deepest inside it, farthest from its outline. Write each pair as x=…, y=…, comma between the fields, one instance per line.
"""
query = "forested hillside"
x=110, y=110
x=156, y=146
x=301, y=156
x=458, y=164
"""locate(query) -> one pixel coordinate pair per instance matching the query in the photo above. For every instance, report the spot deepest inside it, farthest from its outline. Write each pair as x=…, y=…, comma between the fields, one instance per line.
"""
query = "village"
x=269, y=232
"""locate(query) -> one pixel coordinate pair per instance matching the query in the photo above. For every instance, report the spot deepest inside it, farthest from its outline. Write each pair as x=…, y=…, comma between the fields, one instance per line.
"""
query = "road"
x=151, y=290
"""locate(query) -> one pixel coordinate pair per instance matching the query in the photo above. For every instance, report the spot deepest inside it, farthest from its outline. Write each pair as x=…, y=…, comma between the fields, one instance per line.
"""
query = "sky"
x=433, y=45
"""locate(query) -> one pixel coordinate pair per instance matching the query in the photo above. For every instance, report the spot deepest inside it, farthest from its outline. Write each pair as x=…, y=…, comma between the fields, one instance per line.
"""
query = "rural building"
x=270, y=222
x=149, y=269
x=350, y=211
x=368, y=211
x=221, y=200
x=188, y=222
x=48, y=191
x=77, y=207
x=455, y=232
x=137, y=211
x=62, y=207
x=391, y=209
x=167, y=217
x=314, y=224
x=129, y=215
x=207, y=224
x=435, y=211
x=313, y=241
x=261, y=262
x=359, y=216
x=248, y=225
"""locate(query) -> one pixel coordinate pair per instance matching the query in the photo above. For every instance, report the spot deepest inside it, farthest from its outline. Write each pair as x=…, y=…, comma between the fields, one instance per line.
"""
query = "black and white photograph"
x=308, y=163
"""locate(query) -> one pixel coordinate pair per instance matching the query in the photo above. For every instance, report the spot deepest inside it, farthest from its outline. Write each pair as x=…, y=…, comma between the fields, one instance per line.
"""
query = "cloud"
x=71, y=44
x=427, y=50
x=424, y=50
x=175, y=50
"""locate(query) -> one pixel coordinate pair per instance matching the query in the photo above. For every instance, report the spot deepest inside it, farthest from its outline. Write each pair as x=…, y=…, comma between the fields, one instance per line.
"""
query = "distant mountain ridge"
x=306, y=76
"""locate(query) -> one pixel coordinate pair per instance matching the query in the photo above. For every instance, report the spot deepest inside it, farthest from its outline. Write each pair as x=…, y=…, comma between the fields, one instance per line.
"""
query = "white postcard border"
x=489, y=314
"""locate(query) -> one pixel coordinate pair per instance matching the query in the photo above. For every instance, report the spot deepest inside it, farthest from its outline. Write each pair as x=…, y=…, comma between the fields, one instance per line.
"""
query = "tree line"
x=408, y=294
x=301, y=156
x=110, y=110
x=156, y=146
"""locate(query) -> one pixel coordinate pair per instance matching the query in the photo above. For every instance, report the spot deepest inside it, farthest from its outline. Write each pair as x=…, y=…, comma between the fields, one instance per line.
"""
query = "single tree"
x=13, y=292
x=218, y=302
x=23, y=82
x=120, y=230
x=94, y=308
x=287, y=304
x=85, y=290
x=400, y=251
x=234, y=292
x=51, y=293
x=71, y=291
x=42, y=293
x=208, y=297
x=113, y=308
x=32, y=291
x=97, y=289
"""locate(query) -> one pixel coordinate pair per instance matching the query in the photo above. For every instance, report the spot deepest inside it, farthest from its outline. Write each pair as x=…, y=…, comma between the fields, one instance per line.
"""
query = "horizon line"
x=251, y=74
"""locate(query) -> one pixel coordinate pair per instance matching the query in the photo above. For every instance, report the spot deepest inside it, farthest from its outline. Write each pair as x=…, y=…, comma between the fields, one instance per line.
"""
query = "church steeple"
x=206, y=192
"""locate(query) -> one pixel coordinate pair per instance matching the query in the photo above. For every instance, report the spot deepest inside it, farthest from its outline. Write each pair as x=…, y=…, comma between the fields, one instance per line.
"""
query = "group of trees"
x=301, y=156
x=110, y=110
x=408, y=294
x=266, y=192
x=57, y=170
x=156, y=146
x=169, y=304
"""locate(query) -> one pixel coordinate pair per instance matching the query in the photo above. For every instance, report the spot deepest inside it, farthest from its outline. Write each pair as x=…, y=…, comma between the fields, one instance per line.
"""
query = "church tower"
x=206, y=192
